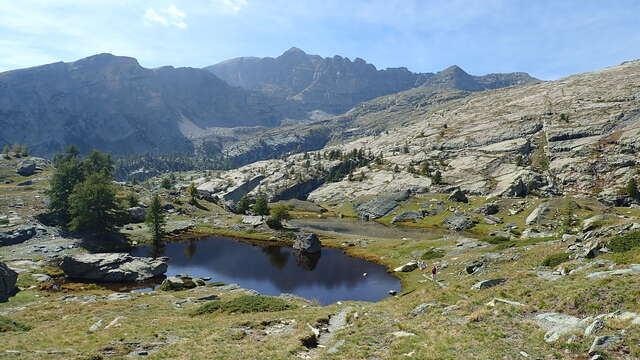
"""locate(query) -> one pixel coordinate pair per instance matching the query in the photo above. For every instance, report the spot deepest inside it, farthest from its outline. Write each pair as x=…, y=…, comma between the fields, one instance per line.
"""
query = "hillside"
x=336, y=84
x=565, y=136
x=114, y=104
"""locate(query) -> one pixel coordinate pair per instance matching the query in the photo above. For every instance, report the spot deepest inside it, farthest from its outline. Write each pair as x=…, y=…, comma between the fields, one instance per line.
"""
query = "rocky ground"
x=493, y=298
x=576, y=135
x=520, y=227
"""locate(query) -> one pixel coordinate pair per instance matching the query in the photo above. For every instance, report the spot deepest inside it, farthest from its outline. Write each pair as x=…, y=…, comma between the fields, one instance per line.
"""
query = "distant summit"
x=335, y=84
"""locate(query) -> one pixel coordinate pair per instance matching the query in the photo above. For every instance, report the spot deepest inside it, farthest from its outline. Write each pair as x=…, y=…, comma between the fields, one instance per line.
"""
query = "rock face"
x=26, y=168
x=307, y=243
x=113, y=104
x=18, y=235
x=459, y=222
x=112, y=267
x=8, y=280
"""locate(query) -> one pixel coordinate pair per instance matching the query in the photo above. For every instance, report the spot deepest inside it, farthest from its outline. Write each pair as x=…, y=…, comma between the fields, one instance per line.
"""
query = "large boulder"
x=112, y=267
x=557, y=325
x=458, y=196
x=307, y=243
x=8, y=280
x=180, y=282
x=491, y=208
x=17, y=235
x=408, y=216
x=376, y=208
x=26, y=168
x=484, y=284
x=459, y=222
x=137, y=214
x=538, y=214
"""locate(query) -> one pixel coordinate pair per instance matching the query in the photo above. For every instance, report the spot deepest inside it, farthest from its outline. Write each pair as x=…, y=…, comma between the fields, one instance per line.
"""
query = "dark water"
x=272, y=270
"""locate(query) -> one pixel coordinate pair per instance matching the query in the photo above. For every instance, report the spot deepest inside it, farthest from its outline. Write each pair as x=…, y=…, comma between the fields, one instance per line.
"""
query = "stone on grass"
x=458, y=195
x=605, y=342
x=8, y=279
x=408, y=267
x=484, y=284
x=112, y=267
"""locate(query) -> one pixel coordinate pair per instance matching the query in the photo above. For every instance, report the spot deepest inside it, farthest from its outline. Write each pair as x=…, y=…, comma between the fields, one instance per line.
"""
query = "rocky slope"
x=336, y=84
x=576, y=135
x=114, y=104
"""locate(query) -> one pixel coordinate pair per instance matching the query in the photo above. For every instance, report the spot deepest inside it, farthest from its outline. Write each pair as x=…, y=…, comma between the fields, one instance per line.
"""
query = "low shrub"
x=7, y=324
x=555, y=259
x=495, y=239
x=625, y=242
x=245, y=304
x=432, y=254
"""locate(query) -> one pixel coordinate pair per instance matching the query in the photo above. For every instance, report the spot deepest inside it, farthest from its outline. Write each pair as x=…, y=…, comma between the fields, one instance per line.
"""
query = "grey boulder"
x=458, y=196
x=376, y=208
x=459, y=222
x=26, y=168
x=112, y=267
x=307, y=242
x=407, y=216
x=487, y=283
x=137, y=214
x=17, y=236
x=8, y=280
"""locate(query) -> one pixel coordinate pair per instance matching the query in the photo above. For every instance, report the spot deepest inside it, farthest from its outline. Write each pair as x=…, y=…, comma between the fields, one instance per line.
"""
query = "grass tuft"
x=555, y=259
x=244, y=304
x=625, y=242
x=7, y=324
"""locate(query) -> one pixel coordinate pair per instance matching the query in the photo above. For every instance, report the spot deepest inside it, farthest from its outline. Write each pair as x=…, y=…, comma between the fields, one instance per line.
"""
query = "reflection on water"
x=271, y=270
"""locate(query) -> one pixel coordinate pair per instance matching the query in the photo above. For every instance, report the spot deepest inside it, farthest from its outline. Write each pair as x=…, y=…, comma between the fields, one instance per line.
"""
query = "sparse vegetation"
x=432, y=254
x=626, y=242
x=556, y=259
x=244, y=304
x=7, y=325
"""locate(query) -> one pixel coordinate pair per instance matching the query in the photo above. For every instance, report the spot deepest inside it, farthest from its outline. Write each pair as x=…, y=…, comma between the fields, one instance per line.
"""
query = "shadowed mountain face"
x=336, y=84
x=113, y=104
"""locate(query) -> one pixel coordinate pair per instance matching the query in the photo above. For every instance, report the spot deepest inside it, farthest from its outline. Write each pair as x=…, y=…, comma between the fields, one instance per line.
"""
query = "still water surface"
x=271, y=270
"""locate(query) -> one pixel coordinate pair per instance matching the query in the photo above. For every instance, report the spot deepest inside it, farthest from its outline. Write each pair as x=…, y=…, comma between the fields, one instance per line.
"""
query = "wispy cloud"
x=231, y=6
x=169, y=16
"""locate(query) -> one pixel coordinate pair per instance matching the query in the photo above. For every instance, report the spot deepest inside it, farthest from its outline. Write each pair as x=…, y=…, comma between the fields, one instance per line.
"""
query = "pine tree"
x=92, y=205
x=193, y=194
x=156, y=221
x=261, y=207
x=279, y=213
x=243, y=205
x=67, y=176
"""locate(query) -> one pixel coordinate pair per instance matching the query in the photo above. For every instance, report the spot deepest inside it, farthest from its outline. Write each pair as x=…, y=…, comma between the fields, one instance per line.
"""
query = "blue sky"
x=548, y=39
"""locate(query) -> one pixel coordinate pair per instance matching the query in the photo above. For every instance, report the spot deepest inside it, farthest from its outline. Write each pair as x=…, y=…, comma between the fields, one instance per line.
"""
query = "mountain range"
x=114, y=104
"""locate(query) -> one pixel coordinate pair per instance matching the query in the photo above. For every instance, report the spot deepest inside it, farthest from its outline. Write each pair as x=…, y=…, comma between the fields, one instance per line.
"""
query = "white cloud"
x=170, y=16
x=232, y=6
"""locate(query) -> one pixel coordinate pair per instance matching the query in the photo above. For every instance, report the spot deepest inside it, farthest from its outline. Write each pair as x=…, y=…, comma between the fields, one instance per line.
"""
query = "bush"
x=555, y=259
x=495, y=239
x=278, y=214
x=432, y=254
x=7, y=324
x=625, y=242
x=245, y=304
